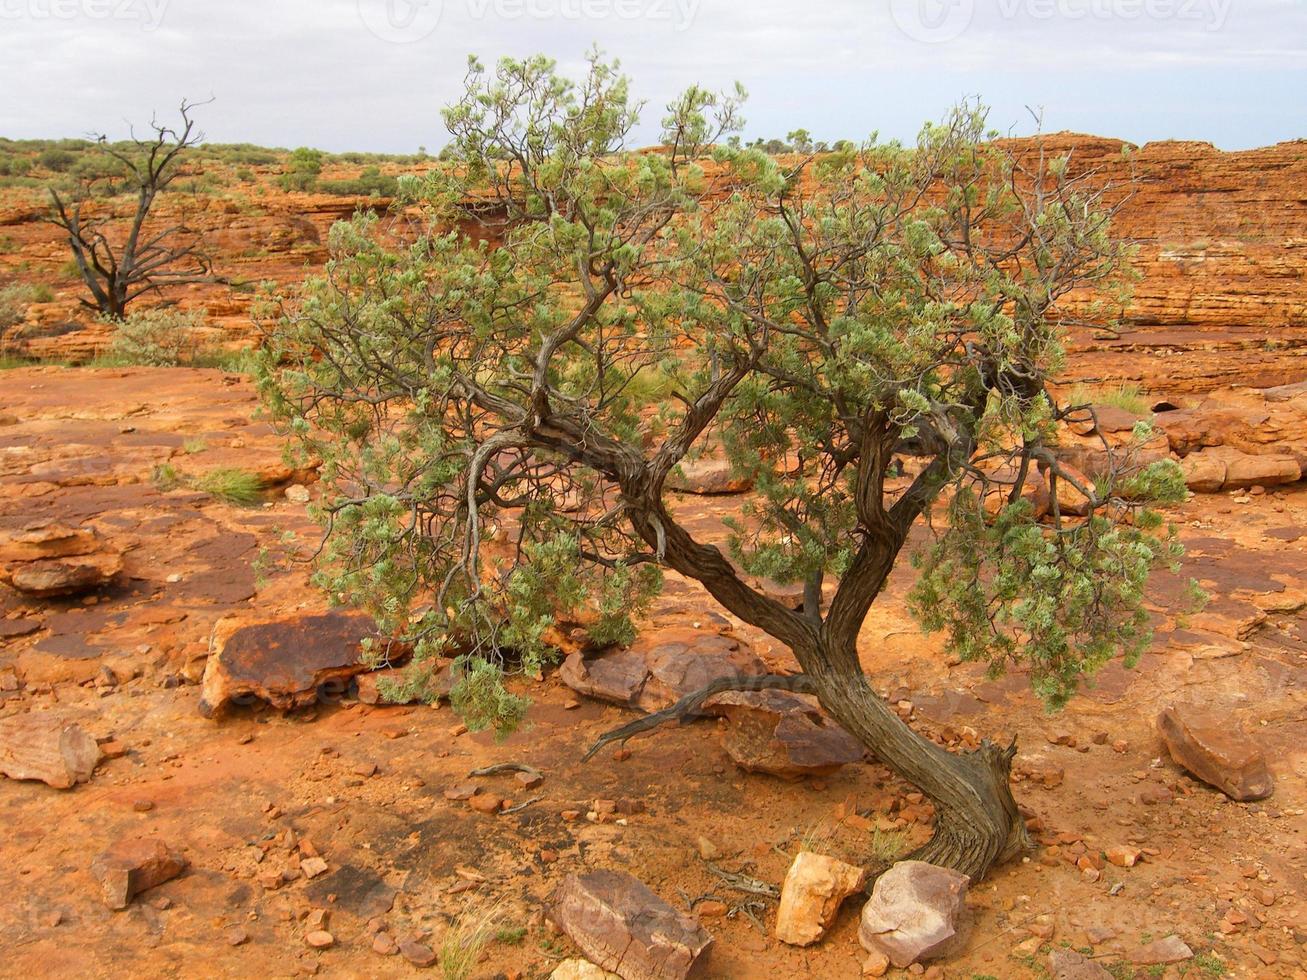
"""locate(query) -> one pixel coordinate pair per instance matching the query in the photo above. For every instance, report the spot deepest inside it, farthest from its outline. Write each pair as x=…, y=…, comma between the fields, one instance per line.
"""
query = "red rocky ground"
x=256, y=801
x=247, y=794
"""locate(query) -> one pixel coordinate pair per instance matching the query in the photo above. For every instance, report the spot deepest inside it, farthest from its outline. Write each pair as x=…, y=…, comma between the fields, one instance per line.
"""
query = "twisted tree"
x=119, y=269
x=500, y=404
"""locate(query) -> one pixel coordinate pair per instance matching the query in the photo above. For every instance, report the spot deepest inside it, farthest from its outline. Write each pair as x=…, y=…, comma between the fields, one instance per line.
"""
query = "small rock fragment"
x=133, y=865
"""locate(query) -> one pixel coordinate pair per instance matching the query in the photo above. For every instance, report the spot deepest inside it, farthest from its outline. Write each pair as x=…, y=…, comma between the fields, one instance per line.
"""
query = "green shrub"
x=161, y=337
x=57, y=160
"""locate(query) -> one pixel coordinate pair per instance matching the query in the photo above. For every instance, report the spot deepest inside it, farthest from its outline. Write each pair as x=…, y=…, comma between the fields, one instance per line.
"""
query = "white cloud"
x=311, y=71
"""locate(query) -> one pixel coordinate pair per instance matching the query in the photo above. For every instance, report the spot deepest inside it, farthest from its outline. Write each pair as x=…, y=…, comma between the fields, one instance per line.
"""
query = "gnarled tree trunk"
x=977, y=824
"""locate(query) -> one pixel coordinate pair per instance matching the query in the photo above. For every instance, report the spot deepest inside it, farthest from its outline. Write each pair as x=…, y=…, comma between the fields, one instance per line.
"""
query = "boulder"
x=1067, y=964
x=622, y=926
x=1204, y=472
x=53, y=577
x=916, y=912
x=45, y=748
x=660, y=668
x=707, y=477
x=782, y=734
x=1243, y=471
x=134, y=865
x=289, y=663
x=1216, y=751
x=814, y=889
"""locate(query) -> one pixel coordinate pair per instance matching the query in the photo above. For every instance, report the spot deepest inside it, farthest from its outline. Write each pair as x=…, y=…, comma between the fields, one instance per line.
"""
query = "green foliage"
x=56, y=160
x=371, y=183
x=232, y=485
x=496, y=417
x=157, y=337
x=302, y=170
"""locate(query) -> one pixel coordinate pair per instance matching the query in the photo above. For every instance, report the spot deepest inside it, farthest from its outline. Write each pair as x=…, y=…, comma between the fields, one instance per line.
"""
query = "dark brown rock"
x=45, y=748
x=1216, y=751
x=287, y=663
x=134, y=865
x=661, y=667
x=621, y=925
x=782, y=734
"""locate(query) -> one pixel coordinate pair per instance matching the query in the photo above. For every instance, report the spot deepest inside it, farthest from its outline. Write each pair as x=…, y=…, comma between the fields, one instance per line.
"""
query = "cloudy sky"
x=372, y=74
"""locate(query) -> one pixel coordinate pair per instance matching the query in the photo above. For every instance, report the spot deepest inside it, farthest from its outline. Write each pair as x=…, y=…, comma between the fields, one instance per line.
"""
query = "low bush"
x=160, y=337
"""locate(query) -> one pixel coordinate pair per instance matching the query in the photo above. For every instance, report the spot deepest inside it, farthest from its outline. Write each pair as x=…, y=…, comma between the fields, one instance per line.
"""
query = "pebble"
x=237, y=936
x=383, y=944
x=313, y=866
x=320, y=939
x=143, y=806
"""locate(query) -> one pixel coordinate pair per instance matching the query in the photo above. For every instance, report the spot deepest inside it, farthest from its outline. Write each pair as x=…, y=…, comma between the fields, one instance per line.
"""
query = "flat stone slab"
x=287, y=662
x=622, y=926
x=47, y=749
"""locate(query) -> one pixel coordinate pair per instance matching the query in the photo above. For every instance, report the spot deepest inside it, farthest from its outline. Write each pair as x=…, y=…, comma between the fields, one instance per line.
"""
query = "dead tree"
x=146, y=259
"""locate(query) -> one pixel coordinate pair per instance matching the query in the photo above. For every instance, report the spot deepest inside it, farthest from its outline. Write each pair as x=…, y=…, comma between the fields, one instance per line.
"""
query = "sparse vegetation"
x=14, y=301
x=235, y=486
x=1127, y=397
x=159, y=337
x=467, y=938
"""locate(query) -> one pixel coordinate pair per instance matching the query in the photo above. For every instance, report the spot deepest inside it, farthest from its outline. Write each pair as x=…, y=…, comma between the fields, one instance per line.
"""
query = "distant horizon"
x=372, y=75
